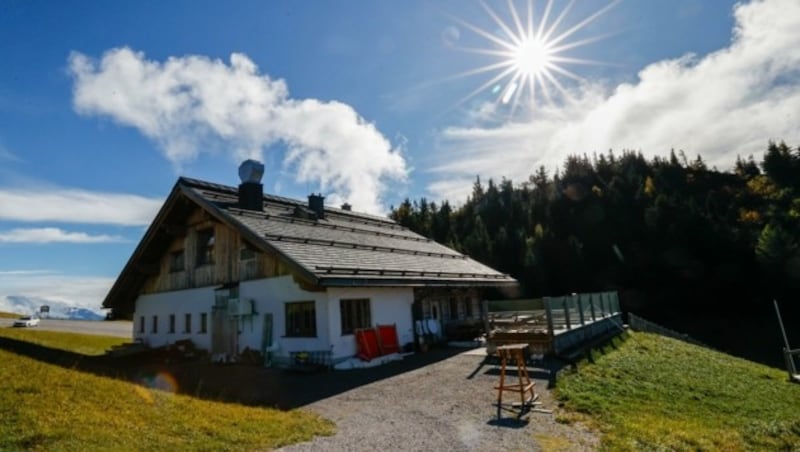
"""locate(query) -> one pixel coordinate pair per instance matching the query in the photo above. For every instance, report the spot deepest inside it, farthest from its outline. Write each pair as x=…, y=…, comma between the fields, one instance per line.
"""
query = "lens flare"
x=163, y=382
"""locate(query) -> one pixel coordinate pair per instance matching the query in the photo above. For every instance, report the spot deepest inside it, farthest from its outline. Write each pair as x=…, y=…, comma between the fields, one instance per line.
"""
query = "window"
x=203, y=322
x=225, y=293
x=171, y=323
x=205, y=247
x=187, y=323
x=301, y=319
x=155, y=324
x=355, y=314
x=246, y=252
x=141, y=324
x=176, y=261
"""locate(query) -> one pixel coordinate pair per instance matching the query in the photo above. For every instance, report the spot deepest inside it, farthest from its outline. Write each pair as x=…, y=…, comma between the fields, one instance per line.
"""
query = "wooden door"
x=223, y=332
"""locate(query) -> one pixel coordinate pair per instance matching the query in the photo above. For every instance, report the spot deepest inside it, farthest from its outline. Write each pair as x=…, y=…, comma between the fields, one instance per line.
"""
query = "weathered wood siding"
x=226, y=267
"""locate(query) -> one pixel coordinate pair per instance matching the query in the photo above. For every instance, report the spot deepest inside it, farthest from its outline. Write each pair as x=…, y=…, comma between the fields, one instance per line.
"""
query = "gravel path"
x=447, y=405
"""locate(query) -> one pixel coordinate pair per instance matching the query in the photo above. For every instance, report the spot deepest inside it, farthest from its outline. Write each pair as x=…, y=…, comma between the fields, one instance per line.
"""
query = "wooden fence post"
x=549, y=313
x=580, y=308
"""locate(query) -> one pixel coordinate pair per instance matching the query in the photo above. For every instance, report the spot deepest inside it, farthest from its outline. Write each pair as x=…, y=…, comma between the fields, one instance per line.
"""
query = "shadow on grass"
x=236, y=383
x=602, y=347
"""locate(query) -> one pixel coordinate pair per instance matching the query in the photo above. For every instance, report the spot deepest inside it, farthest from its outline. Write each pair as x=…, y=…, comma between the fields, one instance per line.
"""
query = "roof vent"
x=347, y=207
x=251, y=192
x=251, y=171
x=316, y=203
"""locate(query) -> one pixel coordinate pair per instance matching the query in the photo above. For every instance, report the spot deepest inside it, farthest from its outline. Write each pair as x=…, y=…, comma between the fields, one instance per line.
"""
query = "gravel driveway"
x=447, y=405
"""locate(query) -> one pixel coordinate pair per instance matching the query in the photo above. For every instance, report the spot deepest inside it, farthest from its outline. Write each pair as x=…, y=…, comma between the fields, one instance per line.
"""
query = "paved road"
x=117, y=328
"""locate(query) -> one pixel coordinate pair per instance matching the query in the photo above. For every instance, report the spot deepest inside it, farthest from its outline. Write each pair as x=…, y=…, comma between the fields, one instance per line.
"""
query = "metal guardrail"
x=552, y=324
x=641, y=324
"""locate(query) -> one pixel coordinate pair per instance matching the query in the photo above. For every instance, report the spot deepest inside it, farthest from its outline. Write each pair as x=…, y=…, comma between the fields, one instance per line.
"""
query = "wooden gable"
x=233, y=258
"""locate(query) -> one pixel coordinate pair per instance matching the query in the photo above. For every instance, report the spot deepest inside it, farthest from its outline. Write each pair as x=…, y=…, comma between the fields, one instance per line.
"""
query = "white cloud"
x=75, y=291
x=25, y=272
x=76, y=206
x=727, y=103
x=194, y=104
x=54, y=235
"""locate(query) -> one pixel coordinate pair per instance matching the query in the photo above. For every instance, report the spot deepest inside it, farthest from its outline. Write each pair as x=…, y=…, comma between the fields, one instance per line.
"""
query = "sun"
x=531, y=54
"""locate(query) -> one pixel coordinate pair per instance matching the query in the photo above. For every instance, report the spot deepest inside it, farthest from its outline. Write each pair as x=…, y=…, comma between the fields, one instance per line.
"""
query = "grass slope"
x=48, y=407
x=9, y=315
x=79, y=343
x=659, y=393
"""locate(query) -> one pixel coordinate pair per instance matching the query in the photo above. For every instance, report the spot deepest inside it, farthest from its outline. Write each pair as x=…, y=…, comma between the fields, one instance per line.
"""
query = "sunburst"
x=531, y=54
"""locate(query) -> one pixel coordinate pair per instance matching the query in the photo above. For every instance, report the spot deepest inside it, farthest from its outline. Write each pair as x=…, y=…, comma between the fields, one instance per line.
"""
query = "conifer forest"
x=700, y=250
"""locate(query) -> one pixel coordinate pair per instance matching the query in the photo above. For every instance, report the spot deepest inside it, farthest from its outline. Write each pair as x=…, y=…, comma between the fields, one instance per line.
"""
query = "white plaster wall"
x=270, y=296
x=179, y=303
x=387, y=306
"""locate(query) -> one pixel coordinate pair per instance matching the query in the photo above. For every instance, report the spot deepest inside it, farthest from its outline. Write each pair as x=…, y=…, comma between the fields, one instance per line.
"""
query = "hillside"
x=671, y=235
x=649, y=392
x=52, y=407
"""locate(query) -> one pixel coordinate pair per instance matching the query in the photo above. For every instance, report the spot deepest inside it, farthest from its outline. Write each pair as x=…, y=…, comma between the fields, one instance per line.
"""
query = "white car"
x=27, y=321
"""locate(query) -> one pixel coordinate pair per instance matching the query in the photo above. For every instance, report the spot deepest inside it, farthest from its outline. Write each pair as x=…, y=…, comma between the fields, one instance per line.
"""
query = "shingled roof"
x=344, y=248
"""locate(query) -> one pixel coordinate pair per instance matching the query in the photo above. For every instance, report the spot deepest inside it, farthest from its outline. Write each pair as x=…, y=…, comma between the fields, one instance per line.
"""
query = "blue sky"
x=104, y=104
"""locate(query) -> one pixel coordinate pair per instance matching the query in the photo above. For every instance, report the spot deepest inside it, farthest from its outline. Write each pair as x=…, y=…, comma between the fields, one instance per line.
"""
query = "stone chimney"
x=316, y=203
x=251, y=191
x=347, y=207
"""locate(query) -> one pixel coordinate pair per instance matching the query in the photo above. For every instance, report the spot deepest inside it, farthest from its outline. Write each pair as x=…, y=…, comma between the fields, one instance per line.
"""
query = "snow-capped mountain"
x=58, y=309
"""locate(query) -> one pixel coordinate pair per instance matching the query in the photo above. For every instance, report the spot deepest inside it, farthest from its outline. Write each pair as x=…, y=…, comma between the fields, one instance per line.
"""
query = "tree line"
x=696, y=248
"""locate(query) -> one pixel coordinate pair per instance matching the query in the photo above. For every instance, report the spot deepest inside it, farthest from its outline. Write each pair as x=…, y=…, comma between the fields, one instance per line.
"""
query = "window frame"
x=187, y=323
x=304, y=330
x=155, y=325
x=203, y=322
x=361, y=308
x=175, y=258
x=247, y=252
x=142, y=327
x=171, y=325
x=206, y=240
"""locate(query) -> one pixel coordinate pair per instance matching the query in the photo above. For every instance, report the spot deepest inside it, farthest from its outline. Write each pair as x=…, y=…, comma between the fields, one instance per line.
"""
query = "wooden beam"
x=174, y=230
x=148, y=269
x=308, y=287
